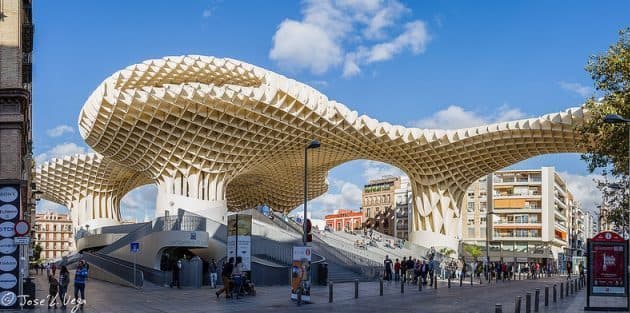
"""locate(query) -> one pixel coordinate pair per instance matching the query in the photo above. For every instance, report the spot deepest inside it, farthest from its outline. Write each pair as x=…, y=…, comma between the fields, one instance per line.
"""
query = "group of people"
x=234, y=279
x=409, y=270
x=58, y=288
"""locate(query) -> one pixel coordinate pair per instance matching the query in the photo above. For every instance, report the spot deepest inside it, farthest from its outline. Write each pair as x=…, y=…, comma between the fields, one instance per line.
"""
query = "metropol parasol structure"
x=218, y=135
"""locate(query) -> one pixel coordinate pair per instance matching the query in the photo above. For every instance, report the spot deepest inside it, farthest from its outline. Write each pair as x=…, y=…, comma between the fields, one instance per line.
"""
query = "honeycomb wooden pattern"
x=237, y=132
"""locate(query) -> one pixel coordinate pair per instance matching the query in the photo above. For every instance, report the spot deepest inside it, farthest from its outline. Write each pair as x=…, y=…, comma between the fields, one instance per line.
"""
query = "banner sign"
x=9, y=252
x=608, y=265
x=301, y=273
x=239, y=241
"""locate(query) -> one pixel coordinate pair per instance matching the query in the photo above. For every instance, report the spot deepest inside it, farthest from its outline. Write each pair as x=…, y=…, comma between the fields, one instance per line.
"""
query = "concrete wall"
x=152, y=245
x=96, y=272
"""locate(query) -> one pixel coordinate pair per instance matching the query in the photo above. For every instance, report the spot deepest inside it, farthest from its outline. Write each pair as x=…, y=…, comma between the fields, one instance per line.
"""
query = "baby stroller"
x=242, y=286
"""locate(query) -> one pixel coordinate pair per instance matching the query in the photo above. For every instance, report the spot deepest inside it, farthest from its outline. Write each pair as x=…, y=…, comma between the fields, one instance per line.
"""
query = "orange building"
x=344, y=219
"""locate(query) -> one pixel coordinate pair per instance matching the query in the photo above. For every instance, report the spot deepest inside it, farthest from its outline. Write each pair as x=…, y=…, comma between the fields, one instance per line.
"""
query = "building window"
x=471, y=207
x=471, y=232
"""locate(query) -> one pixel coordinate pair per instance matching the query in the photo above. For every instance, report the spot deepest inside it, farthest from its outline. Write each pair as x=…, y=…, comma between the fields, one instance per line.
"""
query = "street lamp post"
x=314, y=144
x=618, y=119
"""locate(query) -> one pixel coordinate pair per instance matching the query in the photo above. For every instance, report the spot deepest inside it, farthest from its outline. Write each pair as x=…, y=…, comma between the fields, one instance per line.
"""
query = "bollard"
x=555, y=297
x=299, y=298
x=517, y=305
x=572, y=286
x=561, y=290
x=498, y=308
x=528, y=302
x=566, y=292
x=537, y=300
x=356, y=288
x=449, y=281
x=419, y=284
x=330, y=292
x=402, y=287
x=380, y=287
x=546, y=295
x=461, y=279
x=435, y=282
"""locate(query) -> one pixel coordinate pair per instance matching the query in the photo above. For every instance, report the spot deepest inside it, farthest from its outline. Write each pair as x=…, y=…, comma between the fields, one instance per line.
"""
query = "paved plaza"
x=105, y=297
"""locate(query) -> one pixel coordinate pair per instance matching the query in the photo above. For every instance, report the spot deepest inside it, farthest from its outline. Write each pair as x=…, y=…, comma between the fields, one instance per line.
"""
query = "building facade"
x=54, y=234
x=404, y=208
x=378, y=203
x=528, y=213
x=342, y=220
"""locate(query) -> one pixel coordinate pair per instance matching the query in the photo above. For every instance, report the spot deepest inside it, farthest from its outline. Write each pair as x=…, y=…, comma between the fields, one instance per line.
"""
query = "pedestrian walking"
x=226, y=275
x=64, y=281
x=397, y=270
x=80, y=278
x=53, y=289
x=212, y=268
x=47, y=269
x=388, y=269
x=54, y=269
x=177, y=266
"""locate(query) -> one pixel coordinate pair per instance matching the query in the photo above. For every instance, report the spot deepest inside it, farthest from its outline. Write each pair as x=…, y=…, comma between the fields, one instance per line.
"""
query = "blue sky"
x=440, y=64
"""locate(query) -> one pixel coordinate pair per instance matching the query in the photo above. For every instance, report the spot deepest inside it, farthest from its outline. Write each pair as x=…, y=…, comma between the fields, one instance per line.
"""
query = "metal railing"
x=180, y=223
x=117, y=268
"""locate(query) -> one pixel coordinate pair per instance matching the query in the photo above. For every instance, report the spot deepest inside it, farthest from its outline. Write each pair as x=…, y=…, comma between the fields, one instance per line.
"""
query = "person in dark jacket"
x=177, y=266
x=64, y=281
x=226, y=275
x=53, y=288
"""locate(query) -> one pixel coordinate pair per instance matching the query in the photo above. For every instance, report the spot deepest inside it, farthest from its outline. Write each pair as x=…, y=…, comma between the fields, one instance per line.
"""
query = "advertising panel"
x=9, y=252
x=301, y=273
x=239, y=241
x=608, y=265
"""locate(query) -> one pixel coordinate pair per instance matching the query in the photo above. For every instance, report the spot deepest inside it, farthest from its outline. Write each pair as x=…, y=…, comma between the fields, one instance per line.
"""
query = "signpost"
x=134, y=247
x=239, y=241
x=12, y=270
x=301, y=274
x=607, y=269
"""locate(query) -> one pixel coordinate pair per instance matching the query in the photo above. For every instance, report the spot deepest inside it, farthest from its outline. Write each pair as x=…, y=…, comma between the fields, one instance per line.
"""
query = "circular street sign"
x=8, y=211
x=8, y=194
x=7, y=263
x=22, y=227
x=7, y=245
x=7, y=298
x=7, y=229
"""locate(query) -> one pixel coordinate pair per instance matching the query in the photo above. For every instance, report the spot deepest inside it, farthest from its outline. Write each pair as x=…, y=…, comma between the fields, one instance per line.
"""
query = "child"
x=53, y=288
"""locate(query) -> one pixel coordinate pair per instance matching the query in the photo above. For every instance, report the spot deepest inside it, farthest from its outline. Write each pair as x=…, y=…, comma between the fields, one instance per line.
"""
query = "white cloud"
x=59, y=130
x=455, y=117
x=584, y=189
x=139, y=204
x=300, y=46
x=49, y=206
x=376, y=170
x=206, y=13
x=352, y=32
x=582, y=90
x=348, y=197
x=59, y=151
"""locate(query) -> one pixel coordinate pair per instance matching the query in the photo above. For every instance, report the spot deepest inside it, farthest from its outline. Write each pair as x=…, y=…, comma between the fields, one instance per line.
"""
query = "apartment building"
x=342, y=220
x=378, y=203
x=54, y=235
x=530, y=215
x=404, y=207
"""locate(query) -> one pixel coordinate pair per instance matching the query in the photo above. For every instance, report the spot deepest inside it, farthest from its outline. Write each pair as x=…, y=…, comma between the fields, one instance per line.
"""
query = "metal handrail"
x=116, y=268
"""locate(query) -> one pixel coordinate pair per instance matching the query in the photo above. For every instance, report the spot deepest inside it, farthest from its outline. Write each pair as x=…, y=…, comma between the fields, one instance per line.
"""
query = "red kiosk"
x=607, y=269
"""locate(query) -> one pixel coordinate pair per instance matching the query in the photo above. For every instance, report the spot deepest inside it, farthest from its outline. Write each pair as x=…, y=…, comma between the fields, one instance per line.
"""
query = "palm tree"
x=474, y=251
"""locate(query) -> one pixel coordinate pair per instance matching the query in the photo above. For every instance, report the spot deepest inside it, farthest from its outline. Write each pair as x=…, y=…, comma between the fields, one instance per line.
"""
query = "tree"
x=474, y=251
x=447, y=252
x=606, y=145
x=37, y=251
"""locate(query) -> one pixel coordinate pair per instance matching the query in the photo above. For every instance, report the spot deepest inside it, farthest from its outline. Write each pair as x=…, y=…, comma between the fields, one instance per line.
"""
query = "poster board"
x=607, y=268
x=301, y=273
x=239, y=240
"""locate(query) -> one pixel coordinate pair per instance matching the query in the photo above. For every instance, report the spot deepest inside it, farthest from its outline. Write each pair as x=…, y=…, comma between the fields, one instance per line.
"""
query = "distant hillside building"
x=54, y=234
x=344, y=220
